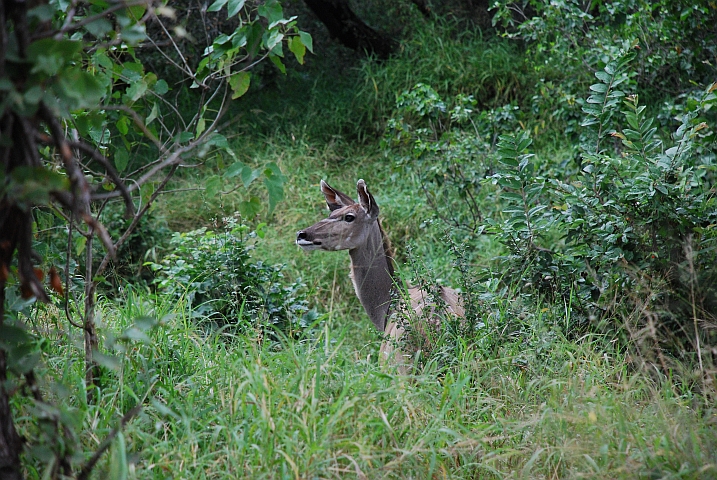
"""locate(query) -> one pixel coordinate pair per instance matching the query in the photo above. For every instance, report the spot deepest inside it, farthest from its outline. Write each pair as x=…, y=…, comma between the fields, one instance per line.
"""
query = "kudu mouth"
x=302, y=240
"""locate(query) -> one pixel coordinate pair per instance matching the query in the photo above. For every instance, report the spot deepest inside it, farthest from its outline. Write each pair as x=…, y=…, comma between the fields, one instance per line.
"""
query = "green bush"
x=146, y=242
x=215, y=275
x=566, y=41
x=449, y=146
x=627, y=235
x=637, y=222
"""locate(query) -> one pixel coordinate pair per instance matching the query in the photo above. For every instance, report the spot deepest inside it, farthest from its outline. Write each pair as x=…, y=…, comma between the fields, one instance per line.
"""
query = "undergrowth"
x=226, y=406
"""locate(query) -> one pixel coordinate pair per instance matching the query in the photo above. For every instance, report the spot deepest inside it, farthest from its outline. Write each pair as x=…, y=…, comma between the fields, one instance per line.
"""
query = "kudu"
x=354, y=226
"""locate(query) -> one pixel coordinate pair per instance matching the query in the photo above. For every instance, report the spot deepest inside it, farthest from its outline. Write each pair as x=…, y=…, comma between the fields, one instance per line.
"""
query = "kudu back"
x=354, y=226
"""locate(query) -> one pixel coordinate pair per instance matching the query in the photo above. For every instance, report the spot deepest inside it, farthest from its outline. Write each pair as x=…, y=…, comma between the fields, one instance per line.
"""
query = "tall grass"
x=219, y=406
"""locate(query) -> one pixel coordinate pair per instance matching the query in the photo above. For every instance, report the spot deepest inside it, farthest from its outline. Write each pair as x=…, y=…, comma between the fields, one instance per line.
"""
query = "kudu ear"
x=334, y=198
x=366, y=199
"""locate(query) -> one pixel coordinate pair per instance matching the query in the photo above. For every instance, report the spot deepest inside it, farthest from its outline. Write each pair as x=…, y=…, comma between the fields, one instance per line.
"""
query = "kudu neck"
x=373, y=275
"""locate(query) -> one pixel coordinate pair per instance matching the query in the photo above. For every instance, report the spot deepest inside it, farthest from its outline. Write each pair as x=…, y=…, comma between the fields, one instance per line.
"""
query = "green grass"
x=217, y=406
x=537, y=406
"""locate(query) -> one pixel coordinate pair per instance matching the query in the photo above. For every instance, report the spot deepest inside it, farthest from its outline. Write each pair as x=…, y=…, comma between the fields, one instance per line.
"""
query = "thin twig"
x=137, y=121
x=113, y=174
x=67, y=274
x=188, y=70
x=90, y=465
x=59, y=34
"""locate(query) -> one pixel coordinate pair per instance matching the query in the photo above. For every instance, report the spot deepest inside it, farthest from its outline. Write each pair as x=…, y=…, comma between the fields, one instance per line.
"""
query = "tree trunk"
x=350, y=30
x=10, y=441
x=92, y=369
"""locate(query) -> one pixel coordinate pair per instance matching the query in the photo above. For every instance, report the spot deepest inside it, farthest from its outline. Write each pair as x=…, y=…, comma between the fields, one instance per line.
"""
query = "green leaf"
x=134, y=334
x=161, y=87
x=65, y=49
x=122, y=124
x=33, y=185
x=82, y=87
x=239, y=83
x=79, y=243
x=513, y=197
x=212, y=186
x=271, y=10
x=33, y=95
x=296, y=46
x=274, y=183
x=42, y=13
x=234, y=7
x=183, y=137
x=118, y=461
x=24, y=359
x=11, y=335
x=536, y=209
x=216, y=6
x=134, y=33
x=221, y=39
x=137, y=90
x=121, y=158
x=249, y=209
x=307, y=40
x=524, y=143
x=99, y=27
x=201, y=126
x=275, y=37
x=510, y=182
x=277, y=61
x=48, y=64
x=603, y=77
x=136, y=12
x=105, y=360
x=153, y=114
x=145, y=323
x=235, y=169
x=248, y=176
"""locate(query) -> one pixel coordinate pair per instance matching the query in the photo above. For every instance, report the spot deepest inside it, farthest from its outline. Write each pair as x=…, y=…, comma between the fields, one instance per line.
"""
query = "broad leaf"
x=239, y=83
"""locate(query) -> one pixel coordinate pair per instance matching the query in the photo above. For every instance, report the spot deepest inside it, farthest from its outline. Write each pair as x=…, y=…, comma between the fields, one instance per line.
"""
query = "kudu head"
x=349, y=224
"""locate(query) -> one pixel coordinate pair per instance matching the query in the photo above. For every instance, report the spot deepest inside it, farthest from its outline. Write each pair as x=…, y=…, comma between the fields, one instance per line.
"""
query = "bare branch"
x=186, y=68
x=176, y=156
x=70, y=15
x=67, y=275
x=90, y=465
x=110, y=169
x=80, y=188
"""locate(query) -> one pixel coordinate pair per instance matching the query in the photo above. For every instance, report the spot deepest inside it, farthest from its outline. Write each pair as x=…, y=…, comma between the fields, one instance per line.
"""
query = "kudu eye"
x=349, y=217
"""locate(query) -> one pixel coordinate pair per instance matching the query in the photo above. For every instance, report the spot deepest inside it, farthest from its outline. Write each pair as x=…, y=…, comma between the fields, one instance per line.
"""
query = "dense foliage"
x=214, y=275
x=623, y=229
x=559, y=169
x=84, y=123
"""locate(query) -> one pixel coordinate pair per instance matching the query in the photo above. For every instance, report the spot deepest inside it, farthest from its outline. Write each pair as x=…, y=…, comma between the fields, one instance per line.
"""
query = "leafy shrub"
x=567, y=40
x=629, y=233
x=146, y=242
x=637, y=222
x=449, y=146
x=215, y=274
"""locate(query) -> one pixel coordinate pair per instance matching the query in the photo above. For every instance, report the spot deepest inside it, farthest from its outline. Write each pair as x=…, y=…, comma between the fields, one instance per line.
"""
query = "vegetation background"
x=555, y=160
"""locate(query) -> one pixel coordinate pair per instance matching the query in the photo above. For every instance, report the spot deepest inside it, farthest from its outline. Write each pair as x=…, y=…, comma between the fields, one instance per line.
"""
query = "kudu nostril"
x=301, y=235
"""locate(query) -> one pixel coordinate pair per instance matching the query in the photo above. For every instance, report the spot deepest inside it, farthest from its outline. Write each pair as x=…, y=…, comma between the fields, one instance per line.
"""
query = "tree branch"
x=110, y=169
x=90, y=465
